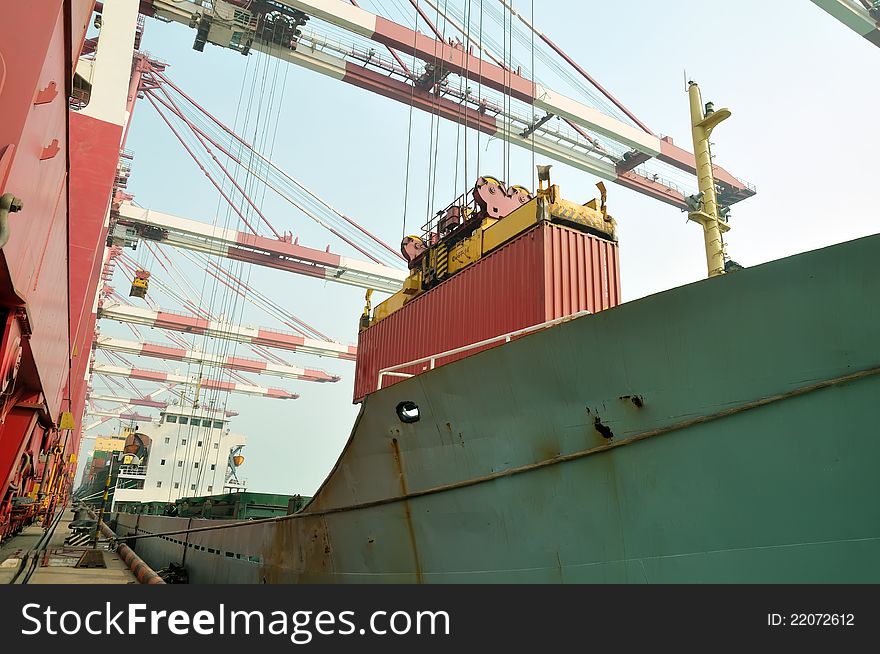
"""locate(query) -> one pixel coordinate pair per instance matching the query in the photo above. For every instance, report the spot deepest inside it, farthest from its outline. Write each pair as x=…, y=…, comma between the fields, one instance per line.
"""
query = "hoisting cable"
x=508, y=4
x=533, y=75
x=412, y=88
x=272, y=167
x=311, y=214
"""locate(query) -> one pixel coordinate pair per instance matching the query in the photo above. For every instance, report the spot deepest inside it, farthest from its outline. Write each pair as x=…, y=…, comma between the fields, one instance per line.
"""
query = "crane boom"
x=243, y=364
x=208, y=384
x=217, y=329
x=233, y=23
x=260, y=250
x=861, y=16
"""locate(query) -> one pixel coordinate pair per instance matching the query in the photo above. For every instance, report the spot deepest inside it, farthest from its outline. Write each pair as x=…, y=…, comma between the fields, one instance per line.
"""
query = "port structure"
x=263, y=336
x=259, y=250
x=344, y=56
x=198, y=357
x=143, y=374
x=234, y=25
x=120, y=415
x=861, y=16
x=128, y=406
x=137, y=401
x=131, y=401
x=105, y=76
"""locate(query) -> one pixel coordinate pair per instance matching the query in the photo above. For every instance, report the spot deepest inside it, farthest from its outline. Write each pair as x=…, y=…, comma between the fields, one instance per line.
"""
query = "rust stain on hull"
x=298, y=552
x=398, y=464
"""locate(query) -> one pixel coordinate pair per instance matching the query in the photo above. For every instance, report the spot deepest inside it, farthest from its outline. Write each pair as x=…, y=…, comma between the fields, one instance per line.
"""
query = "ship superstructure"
x=191, y=452
x=186, y=452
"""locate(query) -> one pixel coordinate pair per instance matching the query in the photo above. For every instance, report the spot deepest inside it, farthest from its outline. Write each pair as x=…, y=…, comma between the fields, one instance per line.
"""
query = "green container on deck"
x=240, y=506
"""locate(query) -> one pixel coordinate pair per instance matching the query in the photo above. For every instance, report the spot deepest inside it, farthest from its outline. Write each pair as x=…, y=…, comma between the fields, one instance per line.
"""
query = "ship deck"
x=56, y=565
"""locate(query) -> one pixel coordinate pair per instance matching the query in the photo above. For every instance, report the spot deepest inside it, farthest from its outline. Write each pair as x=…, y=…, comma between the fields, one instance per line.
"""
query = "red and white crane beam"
x=142, y=374
x=184, y=352
x=478, y=42
x=217, y=329
x=128, y=406
x=263, y=251
x=861, y=16
x=244, y=364
x=571, y=62
x=317, y=54
x=125, y=417
x=262, y=167
x=139, y=401
x=255, y=297
x=130, y=401
x=460, y=62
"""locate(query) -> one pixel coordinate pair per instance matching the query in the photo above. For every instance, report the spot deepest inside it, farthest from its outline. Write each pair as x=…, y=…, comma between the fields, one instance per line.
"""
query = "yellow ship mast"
x=704, y=205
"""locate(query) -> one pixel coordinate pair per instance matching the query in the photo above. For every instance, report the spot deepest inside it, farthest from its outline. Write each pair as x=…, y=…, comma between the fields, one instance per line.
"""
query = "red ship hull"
x=42, y=299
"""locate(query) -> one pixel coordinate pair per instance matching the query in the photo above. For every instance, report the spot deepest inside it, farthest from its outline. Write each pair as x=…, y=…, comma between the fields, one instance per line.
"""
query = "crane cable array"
x=240, y=171
x=205, y=132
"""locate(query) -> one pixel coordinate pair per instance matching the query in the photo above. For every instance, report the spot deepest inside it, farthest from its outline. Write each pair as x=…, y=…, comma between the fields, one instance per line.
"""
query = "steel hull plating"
x=752, y=457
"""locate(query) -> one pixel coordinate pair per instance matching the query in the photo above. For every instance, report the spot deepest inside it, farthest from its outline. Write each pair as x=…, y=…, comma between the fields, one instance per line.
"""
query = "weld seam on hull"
x=565, y=458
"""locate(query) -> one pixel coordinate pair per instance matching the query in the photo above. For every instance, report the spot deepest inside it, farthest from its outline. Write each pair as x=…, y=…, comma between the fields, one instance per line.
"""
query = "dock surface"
x=56, y=565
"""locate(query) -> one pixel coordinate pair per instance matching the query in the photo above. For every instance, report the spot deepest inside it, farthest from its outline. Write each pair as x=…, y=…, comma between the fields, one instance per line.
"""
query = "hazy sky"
x=801, y=86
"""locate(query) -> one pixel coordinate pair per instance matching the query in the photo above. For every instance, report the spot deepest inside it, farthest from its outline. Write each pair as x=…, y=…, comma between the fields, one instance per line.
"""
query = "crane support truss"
x=861, y=16
x=215, y=329
x=243, y=364
x=349, y=63
x=259, y=250
x=204, y=384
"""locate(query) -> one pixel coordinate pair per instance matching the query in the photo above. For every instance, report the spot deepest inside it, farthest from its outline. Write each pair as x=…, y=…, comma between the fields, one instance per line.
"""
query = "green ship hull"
x=724, y=431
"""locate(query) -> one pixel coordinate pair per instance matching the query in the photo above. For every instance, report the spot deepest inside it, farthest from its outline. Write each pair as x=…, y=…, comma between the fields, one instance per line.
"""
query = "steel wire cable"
x=294, y=192
x=283, y=181
x=180, y=441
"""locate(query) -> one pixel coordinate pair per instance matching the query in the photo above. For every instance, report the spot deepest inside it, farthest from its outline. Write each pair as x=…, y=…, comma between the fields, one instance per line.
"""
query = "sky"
x=800, y=85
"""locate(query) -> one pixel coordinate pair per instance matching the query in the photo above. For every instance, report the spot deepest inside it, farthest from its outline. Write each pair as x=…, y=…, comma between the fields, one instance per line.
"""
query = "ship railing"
x=132, y=471
x=747, y=184
x=430, y=362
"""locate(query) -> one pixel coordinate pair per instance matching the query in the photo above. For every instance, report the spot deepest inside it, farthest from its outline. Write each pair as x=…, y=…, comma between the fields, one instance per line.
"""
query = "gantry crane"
x=340, y=39
x=627, y=144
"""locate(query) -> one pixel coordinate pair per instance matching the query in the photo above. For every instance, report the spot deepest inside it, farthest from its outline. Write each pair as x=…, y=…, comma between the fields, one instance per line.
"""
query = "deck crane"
x=241, y=25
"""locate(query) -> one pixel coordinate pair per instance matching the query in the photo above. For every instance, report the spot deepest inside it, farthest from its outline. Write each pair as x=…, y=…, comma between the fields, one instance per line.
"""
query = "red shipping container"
x=546, y=273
